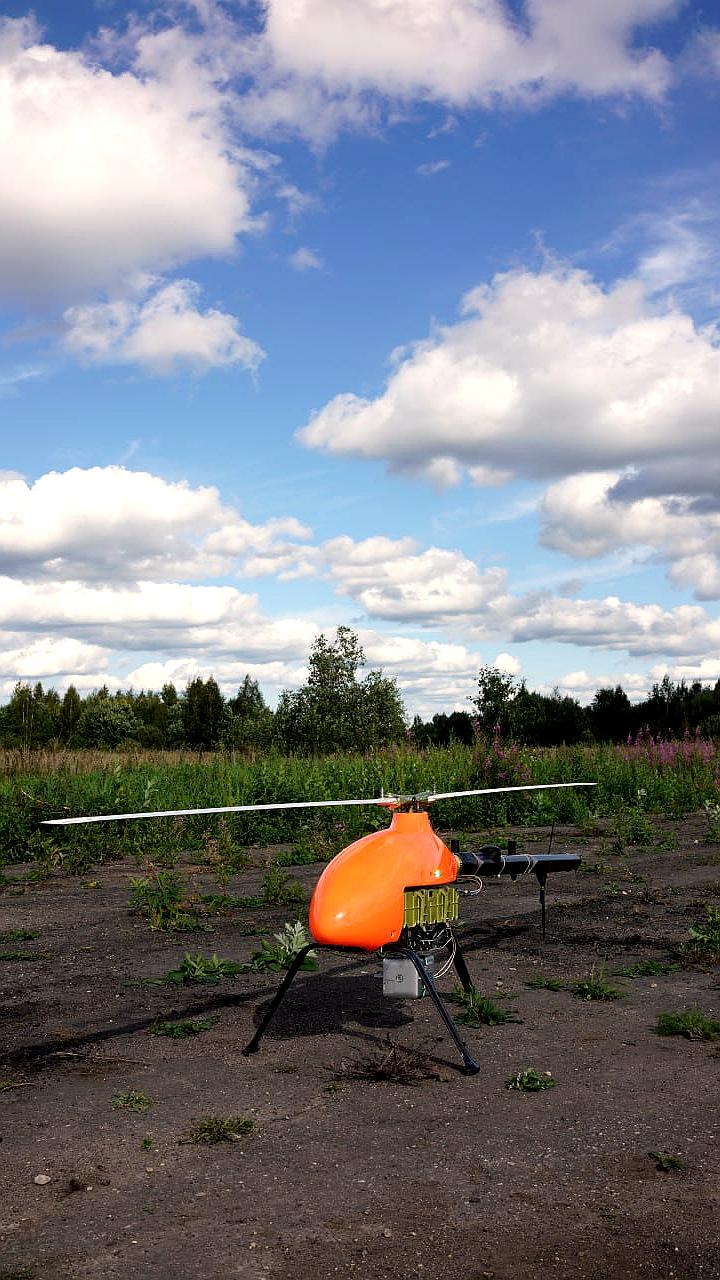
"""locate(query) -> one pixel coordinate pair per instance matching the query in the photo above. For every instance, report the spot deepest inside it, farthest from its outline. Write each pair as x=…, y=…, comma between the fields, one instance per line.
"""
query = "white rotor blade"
x=491, y=791
x=225, y=808
x=386, y=801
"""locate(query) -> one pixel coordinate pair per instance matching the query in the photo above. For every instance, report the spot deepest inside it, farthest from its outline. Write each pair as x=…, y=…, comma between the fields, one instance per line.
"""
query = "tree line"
x=339, y=709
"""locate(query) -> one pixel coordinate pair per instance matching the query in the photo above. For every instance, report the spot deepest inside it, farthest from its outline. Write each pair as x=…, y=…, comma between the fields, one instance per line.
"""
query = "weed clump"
x=278, y=888
x=704, y=941
x=182, y=1029
x=23, y=955
x=647, y=969
x=693, y=1024
x=280, y=951
x=539, y=982
x=202, y=968
x=392, y=1065
x=213, y=1129
x=530, y=1081
x=160, y=897
x=480, y=1011
x=131, y=1100
x=667, y=1163
x=632, y=826
x=595, y=988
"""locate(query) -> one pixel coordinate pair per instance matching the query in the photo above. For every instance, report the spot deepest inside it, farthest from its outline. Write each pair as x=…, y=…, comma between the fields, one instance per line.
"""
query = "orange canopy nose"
x=358, y=900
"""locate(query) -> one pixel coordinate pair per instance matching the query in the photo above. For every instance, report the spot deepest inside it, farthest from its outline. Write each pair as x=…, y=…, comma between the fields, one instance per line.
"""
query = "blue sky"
x=392, y=313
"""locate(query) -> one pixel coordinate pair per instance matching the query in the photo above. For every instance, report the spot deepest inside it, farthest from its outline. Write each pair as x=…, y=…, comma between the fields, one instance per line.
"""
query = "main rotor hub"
x=418, y=803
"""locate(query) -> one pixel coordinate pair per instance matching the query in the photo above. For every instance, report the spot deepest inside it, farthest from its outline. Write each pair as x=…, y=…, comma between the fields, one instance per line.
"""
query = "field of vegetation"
x=645, y=776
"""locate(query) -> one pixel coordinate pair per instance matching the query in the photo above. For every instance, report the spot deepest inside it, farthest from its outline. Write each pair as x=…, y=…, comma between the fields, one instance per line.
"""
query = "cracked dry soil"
x=448, y=1177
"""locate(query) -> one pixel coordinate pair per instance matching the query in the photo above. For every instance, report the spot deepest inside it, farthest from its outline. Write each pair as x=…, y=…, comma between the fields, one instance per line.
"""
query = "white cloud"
x=612, y=624
x=583, y=686
x=96, y=564
x=548, y=374
x=432, y=167
x=40, y=657
x=304, y=259
x=105, y=174
x=172, y=617
x=393, y=581
x=508, y=663
x=161, y=332
x=462, y=52
x=592, y=514
x=113, y=524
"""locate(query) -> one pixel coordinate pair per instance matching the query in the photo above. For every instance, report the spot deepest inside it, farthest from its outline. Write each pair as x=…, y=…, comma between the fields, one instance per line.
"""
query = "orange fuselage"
x=358, y=900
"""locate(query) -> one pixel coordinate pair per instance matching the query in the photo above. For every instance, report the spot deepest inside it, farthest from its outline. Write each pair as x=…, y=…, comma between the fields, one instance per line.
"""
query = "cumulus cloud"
x=304, y=259
x=98, y=563
x=583, y=685
x=174, y=617
x=613, y=624
x=467, y=52
x=592, y=514
x=548, y=373
x=44, y=656
x=113, y=524
x=393, y=581
x=160, y=332
x=107, y=173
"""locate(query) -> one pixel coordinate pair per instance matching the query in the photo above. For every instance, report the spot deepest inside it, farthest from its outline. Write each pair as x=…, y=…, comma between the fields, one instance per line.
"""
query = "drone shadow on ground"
x=322, y=1003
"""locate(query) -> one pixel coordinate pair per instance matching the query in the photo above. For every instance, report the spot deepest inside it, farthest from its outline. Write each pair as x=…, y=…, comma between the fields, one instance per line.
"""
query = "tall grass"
x=669, y=778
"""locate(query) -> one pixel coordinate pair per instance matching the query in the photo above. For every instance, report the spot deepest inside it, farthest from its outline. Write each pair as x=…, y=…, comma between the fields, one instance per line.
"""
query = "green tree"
x=203, y=713
x=493, y=701
x=610, y=715
x=105, y=722
x=70, y=712
x=250, y=720
x=334, y=711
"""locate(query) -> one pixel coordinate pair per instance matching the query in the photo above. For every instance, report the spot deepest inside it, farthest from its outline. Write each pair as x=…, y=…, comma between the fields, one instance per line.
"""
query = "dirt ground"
x=453, y=1176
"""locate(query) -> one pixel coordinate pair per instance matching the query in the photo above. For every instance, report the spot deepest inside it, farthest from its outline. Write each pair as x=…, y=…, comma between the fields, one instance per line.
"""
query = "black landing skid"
x=471, y=1067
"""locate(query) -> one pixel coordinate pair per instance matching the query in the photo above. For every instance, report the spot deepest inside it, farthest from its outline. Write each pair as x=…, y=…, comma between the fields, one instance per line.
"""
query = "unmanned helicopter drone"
x=395, y=892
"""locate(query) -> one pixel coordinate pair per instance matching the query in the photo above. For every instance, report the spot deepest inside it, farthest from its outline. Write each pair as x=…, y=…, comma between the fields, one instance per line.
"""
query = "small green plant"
x=147, y=1143
x=212, y=1129
x=221, y=904
x=595, y=988
x=280, y=953
x=23, y=955
x=19, y=935
x=667, y=1163
x=277, y=888
x=530, y=1081
x=599, y=868
x=224, y=858
x=647, y=969
x=313, y=846
x=182, y=1029
x=160, y=896
x=705, y=935
x=693, y=1025
x=540, y=983
x=712, y=820
x=667, y=842
x=202, y=968
x=131, y=1100
x=632, y=826
x=480, y=1011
